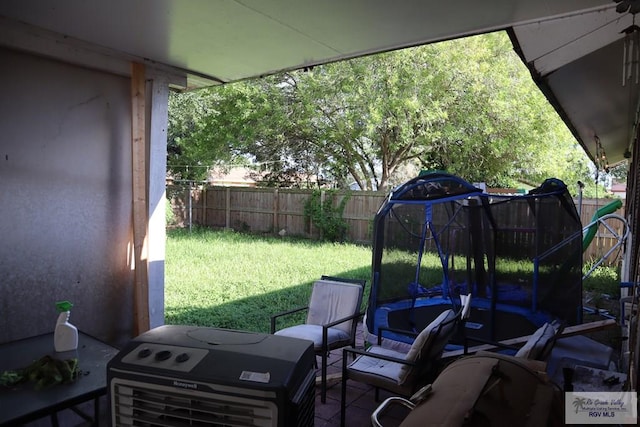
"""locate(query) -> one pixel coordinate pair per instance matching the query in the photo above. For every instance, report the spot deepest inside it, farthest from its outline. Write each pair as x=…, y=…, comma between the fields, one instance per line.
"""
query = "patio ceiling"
x=577, y=62
x=573, y=47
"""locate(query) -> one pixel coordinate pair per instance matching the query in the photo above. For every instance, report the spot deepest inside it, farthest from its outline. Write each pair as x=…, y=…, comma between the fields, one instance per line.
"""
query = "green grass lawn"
x=233, y=280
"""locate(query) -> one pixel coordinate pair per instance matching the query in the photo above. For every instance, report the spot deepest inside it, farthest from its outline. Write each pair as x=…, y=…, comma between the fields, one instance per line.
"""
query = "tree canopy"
x=467, y=106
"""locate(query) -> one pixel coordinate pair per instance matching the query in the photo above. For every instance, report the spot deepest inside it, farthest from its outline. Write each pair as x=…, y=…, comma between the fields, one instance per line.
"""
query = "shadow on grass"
x=254, y=313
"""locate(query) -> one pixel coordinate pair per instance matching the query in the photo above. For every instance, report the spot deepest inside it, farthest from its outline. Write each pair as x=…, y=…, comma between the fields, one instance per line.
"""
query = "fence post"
x=203, y=195
x=276, y=206
x=227, y=208
x=323, y=195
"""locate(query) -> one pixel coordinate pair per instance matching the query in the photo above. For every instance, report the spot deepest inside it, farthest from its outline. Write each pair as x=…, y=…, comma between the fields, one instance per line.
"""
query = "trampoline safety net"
x=438, y=236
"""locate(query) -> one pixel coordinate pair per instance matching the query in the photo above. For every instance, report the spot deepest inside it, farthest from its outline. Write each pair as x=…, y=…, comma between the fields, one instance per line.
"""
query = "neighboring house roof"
x=232, y=177
x=619, y=189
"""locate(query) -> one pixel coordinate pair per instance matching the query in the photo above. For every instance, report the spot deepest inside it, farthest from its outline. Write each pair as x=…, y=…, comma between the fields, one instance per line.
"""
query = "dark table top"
x=24, y=403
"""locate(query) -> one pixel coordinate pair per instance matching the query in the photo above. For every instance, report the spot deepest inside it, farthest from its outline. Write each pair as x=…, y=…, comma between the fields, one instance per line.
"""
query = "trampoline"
x=438, y=236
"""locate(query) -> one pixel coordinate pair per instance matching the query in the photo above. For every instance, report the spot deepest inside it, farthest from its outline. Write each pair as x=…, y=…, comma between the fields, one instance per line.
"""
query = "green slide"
x=593, y=228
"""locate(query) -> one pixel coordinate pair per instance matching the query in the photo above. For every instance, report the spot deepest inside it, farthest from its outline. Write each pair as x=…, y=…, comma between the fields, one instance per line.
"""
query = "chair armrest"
x=285, y=313
x=346, y=351
x=492, y=343
x=396, y=331
x=344, y=319
x=326, y=327
x=395, y=400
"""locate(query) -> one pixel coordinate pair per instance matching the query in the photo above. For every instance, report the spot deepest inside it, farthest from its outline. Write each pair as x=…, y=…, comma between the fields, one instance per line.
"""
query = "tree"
x=467, y=106
x=210, y=126
x=189, y=152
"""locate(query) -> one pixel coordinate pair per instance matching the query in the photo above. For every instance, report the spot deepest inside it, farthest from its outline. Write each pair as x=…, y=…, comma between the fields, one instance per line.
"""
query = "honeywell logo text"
x=185, y=385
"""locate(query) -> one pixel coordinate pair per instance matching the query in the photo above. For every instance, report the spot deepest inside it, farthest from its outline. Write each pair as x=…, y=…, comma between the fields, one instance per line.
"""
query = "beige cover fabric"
x=333, y=301
x=489, y=389
x=453, y=396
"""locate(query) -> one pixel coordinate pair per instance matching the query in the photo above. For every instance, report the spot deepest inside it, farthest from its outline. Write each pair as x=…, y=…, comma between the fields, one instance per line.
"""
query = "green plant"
x=320, y=209
x=242, y=226
x=170, y=216
x=603, y=280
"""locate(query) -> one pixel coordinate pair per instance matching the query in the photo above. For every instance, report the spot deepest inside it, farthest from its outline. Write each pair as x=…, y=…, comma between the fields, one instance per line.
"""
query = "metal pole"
x=580, y=187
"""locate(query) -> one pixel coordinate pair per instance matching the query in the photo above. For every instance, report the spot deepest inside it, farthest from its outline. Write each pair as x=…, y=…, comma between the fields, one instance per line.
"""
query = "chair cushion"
x=313, y=333
x=535, y=345
x=426, y=344
x=331, y=300
x=378, y=367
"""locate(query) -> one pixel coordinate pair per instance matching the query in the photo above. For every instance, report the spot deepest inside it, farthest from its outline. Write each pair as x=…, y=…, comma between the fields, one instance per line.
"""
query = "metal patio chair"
x=332, y=317
x=401, y=373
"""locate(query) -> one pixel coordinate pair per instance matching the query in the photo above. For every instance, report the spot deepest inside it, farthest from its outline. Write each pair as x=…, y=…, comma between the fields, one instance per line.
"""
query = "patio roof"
x=573, y=47
x=577, y=62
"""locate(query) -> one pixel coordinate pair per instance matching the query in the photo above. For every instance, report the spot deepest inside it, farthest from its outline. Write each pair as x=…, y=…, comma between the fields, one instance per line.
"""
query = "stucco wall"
x=65, y=198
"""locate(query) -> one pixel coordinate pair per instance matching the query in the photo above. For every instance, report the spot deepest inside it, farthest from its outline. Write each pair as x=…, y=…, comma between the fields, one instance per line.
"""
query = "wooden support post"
x=140, y=203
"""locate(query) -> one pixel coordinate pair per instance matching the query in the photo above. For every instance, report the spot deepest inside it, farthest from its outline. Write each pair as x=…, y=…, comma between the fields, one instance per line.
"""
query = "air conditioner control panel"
x=165, y=356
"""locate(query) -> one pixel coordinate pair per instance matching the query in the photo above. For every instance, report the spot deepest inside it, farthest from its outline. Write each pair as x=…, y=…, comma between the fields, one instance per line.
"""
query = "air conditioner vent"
x=305, y=407
x=154, y=405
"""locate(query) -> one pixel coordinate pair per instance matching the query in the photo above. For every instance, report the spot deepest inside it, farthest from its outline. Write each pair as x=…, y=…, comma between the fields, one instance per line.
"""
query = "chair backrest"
x=465, y=310
x=539, y=346
x=429, y=345
x=333, y=300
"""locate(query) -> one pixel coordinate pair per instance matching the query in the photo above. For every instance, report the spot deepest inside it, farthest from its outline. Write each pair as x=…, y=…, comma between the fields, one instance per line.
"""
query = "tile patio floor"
x=360, y=398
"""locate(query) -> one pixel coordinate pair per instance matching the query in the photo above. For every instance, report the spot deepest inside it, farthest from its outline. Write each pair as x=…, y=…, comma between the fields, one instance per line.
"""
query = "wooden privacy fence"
x=281, y=211
x=268, y=210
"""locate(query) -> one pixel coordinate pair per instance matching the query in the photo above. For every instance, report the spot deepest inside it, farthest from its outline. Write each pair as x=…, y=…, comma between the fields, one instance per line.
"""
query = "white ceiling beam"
x=24, y=37
x=553, y=43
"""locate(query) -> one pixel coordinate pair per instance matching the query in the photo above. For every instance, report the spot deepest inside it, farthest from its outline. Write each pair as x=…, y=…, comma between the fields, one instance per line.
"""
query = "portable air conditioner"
x=195, y=376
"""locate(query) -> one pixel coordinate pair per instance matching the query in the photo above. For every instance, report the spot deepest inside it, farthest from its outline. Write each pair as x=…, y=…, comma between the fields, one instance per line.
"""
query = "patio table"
x=23, y=403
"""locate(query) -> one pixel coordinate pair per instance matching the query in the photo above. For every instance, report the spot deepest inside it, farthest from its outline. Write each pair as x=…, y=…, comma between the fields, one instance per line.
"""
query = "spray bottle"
x=65, y=337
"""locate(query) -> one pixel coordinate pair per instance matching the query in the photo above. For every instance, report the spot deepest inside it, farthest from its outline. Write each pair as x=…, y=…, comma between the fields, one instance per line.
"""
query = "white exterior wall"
x=65, y=199
x=158, y=99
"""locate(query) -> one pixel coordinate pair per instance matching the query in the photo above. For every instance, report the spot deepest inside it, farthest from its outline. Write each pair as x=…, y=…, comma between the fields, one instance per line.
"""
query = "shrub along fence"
x=281, y=211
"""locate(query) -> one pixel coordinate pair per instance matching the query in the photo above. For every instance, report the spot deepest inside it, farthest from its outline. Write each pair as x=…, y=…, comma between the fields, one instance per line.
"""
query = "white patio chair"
x=332, y=316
